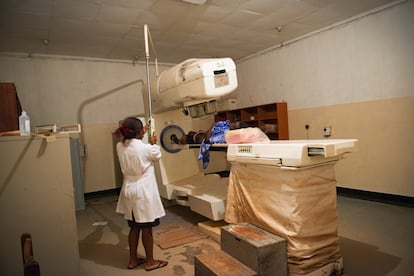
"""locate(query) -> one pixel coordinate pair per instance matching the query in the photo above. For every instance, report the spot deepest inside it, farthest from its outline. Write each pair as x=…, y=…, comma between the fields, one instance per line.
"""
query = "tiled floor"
x=375, y=239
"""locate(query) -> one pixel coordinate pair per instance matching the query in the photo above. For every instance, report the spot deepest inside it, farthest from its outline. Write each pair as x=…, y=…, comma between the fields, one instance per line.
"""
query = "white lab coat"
x=139, y=192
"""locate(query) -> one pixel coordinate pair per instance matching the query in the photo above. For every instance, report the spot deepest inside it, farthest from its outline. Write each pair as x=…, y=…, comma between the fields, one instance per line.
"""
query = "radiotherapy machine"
x=193, y=86
x=190, y=87
x=287, y=187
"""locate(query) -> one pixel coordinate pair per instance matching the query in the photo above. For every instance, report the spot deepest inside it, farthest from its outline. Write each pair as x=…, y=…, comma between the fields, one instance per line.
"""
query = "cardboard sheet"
x=297, y=205
x=175, y=235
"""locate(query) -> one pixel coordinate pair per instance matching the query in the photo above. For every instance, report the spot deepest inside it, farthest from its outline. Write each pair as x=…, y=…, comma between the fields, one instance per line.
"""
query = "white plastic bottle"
x=24, y=124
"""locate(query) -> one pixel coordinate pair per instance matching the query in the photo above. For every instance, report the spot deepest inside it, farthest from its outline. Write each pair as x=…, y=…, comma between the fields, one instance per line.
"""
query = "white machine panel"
x=291, y=153
x=193, y=81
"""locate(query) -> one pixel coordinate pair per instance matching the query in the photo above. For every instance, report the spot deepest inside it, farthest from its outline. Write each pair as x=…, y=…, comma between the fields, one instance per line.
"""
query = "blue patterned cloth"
x=217, y=137
x=204, y=153
x=218, y=132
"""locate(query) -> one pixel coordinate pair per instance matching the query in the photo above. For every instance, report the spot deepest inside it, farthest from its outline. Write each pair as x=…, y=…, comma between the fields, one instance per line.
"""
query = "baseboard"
x=103, y=193
x=378, y=197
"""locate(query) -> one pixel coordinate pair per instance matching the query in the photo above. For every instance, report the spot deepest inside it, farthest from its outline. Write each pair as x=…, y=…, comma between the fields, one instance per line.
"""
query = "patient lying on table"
x=218, y=129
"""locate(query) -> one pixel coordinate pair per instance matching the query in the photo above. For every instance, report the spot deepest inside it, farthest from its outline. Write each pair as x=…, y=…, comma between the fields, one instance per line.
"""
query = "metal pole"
x=151, y=123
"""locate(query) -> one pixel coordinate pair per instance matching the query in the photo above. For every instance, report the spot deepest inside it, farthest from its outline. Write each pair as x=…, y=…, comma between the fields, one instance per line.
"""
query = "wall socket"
x=327, y=131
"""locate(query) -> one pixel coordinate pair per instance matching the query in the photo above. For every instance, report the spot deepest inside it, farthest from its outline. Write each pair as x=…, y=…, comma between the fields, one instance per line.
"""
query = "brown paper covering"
x=297, y=205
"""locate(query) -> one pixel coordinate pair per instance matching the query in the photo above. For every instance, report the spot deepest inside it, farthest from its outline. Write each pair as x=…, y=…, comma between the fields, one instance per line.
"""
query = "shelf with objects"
x=272, y=119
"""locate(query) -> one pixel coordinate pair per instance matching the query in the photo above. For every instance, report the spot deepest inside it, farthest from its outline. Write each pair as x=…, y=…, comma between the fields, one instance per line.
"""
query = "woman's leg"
x=133, y=239
x=148, y=243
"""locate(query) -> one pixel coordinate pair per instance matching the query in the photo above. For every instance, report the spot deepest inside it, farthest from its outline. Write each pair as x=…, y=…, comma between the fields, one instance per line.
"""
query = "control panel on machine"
x=291, y=153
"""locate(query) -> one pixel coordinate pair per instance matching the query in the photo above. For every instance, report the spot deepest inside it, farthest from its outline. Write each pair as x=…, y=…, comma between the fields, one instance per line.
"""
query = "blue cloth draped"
x=217, y=137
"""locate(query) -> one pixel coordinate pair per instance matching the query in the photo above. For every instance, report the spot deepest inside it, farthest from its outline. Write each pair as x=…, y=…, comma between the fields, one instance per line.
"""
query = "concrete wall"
x=356, y=78
x=384, y=129
x=95, y=93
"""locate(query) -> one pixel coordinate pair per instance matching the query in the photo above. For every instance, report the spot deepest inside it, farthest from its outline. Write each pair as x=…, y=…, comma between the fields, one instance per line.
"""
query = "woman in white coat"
x=139, y=200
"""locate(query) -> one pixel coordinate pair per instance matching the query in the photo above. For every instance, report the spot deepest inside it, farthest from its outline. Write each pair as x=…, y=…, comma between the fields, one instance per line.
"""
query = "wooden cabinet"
x=10, y=108
x=272, y=119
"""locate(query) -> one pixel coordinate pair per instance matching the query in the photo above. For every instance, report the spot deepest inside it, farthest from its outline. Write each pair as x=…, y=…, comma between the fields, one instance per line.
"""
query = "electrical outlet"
x=327, y=131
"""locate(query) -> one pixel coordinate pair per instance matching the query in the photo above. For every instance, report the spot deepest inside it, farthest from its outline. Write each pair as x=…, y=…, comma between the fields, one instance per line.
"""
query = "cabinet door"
x=9, y=107
x=282, y=121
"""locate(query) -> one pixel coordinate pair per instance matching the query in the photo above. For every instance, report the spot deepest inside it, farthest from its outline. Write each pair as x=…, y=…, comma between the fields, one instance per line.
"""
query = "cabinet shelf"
x=271, y=118
x=249, y=114
x=267, y=111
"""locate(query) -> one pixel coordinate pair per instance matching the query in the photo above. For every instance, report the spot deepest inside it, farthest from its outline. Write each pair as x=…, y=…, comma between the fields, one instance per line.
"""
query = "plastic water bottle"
x=24, y=124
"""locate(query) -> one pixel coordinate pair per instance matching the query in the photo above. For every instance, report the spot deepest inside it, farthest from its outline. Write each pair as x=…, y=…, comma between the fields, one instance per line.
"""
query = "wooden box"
x=258, y=249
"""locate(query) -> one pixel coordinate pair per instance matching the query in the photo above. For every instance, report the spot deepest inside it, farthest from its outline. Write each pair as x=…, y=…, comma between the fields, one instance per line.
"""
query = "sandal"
x=140, y=261
x=159, y=265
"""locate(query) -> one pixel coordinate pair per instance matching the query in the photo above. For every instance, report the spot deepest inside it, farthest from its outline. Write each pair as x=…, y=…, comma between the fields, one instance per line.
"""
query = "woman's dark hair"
x=130, y=128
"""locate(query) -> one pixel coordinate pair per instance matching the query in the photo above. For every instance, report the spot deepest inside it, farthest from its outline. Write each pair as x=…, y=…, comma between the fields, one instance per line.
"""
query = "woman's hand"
x=153, y=139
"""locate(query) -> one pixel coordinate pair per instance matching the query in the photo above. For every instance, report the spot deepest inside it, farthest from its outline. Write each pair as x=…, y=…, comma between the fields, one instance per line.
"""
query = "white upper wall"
x=366, y=59
x=65, y=90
